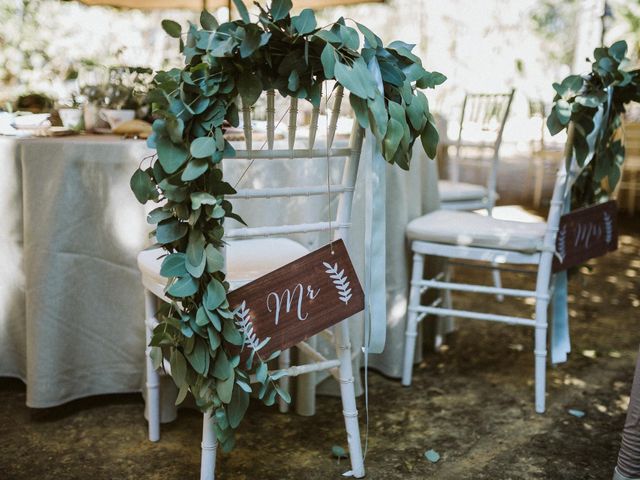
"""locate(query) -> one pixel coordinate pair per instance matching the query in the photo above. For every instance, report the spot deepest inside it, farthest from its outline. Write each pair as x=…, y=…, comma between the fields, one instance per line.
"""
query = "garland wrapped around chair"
x=577, y=100
x=227, y=67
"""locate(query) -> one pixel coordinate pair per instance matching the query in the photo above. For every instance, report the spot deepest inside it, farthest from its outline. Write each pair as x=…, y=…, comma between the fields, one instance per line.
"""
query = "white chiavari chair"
x=256, y=250
x=468, y=236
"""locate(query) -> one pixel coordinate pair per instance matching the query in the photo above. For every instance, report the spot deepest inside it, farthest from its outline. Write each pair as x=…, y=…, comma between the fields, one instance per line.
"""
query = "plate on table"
x=103, y=130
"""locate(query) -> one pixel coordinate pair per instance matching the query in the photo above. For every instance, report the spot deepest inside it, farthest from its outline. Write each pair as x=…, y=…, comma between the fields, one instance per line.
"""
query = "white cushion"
x=471, y=229
x=460, y=191
x=246, y=259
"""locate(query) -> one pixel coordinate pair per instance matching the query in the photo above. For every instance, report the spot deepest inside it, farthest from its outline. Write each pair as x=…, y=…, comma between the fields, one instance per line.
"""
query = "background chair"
x=468, y=236
x=630, y=181
x=256, y=250
x=482, y=123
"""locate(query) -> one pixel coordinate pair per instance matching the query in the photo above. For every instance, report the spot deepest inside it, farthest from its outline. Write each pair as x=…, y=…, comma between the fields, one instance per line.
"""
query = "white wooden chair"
x=629, y=185
x=468, y=236
x=482, y=122
x=255, y=251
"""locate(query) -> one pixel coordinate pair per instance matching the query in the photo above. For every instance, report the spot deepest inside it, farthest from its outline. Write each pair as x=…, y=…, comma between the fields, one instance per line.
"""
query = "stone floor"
x=471, y=402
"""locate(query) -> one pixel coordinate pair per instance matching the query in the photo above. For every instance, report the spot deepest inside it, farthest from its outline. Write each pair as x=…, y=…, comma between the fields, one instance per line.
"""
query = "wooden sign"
x=586, y=233
x=299, y=299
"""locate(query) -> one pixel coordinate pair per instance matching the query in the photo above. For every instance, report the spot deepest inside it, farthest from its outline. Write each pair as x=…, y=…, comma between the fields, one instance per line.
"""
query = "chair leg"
x=446, y=324
x=153, y=378
x=540, y=352
x=412, y=319
x=347, y=392
x=284, y=362
x=497, y=282
x=209, y=446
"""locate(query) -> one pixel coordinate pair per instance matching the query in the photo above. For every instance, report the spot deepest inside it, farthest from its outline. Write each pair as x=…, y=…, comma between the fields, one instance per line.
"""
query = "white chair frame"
x=541, y=259
x=480, y=109
x=340, y=368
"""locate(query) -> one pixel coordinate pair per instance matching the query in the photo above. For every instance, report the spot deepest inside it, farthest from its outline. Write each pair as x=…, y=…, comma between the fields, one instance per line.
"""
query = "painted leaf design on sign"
x=340, y=280
x=608, y=227
x=245, y=326
x=562, y=243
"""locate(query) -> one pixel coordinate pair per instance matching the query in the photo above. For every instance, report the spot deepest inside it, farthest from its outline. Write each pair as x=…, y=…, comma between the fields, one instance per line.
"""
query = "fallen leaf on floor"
x=589, y=353
x=517, y=347
x=614, y=354
x=338, y=452
x=576, y=413
x=432, y=456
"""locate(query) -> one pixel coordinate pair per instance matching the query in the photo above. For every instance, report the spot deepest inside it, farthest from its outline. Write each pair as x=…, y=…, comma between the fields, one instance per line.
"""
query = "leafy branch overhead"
x=578, y=99
x=228, y=66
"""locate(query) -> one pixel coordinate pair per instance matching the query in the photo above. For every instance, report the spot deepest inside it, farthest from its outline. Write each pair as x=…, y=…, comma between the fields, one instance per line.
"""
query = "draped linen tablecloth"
x=71, y=301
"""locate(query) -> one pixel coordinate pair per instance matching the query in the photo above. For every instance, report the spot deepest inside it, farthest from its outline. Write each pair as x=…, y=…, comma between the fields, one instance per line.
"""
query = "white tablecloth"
x=71, y=303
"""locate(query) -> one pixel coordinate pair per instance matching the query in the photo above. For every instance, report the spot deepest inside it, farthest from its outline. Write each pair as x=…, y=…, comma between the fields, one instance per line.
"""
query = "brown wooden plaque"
x=300, y=299
x=586, y=233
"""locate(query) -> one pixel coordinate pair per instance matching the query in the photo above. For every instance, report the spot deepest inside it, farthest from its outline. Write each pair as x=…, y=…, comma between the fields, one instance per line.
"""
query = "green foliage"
x=225, y=66
x=577, y=100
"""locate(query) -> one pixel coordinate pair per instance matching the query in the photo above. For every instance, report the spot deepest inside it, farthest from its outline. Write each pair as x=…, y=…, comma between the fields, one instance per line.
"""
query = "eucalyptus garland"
x=577, y=100
x=227, y=64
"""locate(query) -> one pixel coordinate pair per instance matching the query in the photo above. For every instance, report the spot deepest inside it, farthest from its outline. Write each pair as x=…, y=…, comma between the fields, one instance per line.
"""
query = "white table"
x=71, y=303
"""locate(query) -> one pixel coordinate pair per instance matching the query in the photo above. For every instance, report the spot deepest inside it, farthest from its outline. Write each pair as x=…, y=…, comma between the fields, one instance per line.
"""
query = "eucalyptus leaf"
x=208, y=21
x=242, y=10
x=169, y=231
x=237, y=406
x=214, y=295
x=328, y=59
x=170, y=155
x=360, y=109
x=215, y=259
x=173, y=265
x=280, y=9
x=225, y=387
x=198, y=357
x=222, y=368
x=356, y=78
x=202, y=147
x=172, y=28
x=195, y=247
x=249, y=88
x=183, y=287
x=214, y=339
x=305, y=22
x=142, y=186
x=430, y=138
x=182, y=393
x=231, y=333
x=178, y=367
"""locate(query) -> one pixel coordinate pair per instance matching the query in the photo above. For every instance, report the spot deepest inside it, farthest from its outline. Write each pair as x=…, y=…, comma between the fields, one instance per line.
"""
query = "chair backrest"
x=482, y=122
x=311, y=143
x=484, y=116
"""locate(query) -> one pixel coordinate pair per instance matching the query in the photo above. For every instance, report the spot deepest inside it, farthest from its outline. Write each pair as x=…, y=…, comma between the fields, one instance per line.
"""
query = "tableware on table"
x=54, y=132
x=34, y=121
x=116, y=117
x=71, y=117
x=134, y=129
x=92, y=121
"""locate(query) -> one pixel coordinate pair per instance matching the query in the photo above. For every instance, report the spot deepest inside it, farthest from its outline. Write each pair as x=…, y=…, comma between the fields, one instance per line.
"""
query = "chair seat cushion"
x=474, y=230
x=246, y=259
x=459, y=191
